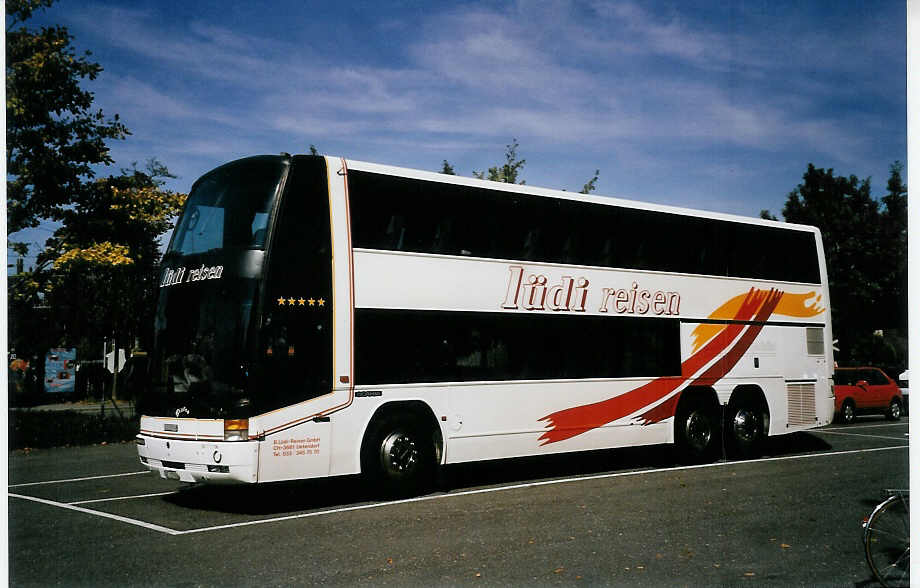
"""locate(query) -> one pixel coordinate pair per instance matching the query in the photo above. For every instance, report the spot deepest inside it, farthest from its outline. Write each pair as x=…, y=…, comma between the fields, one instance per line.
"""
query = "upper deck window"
x=404, y=214
x=229, y=207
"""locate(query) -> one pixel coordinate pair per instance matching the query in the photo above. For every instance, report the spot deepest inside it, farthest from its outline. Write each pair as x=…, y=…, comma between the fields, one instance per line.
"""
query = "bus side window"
x=443, y=237
x=396, y=233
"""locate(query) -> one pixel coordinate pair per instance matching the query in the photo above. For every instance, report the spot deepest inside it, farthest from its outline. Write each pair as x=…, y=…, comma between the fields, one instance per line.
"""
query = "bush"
x=42, y=429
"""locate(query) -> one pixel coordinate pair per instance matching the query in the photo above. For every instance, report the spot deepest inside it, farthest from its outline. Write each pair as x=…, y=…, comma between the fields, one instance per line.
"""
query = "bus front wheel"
x=398, y=457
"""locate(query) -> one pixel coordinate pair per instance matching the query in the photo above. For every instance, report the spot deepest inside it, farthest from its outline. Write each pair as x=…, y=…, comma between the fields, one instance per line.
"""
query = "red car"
x=865, y=390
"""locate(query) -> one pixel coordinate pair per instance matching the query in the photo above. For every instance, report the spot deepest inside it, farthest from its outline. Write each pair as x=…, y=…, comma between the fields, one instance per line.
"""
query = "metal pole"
x=115, y=375
x=102, y=380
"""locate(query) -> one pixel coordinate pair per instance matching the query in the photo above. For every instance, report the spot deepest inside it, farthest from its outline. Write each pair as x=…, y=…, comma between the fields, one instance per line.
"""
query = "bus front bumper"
x=224, y=462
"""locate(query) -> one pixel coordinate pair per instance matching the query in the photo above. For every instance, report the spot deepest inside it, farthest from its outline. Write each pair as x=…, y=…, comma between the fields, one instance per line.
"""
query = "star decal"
x=300, y=301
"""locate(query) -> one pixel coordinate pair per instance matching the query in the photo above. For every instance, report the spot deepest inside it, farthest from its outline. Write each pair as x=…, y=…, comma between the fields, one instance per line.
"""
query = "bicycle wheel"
x=887, y=541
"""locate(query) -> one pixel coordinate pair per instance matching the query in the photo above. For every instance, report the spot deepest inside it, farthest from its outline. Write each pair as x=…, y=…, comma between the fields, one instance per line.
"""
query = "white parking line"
x=332, y=511
x=830, y=432
x=97, y=513
x=850, y=427
x=77, y=479
x=117, y=498
x=526, y=485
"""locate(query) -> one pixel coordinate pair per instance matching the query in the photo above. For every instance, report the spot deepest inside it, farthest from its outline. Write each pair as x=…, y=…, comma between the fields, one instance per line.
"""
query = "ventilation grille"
x=801, y=404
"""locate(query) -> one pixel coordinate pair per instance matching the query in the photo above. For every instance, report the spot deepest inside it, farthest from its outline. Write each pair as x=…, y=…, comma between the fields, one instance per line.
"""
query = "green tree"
x=592, y=183
x=102, y=265
x=98, y=273
x=53, y=135
x=865, y=248
x=893, y=246
x=507, y=172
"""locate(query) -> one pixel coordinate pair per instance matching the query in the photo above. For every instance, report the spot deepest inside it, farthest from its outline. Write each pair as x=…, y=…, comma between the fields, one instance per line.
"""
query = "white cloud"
x=623, y=84
x=137, y=98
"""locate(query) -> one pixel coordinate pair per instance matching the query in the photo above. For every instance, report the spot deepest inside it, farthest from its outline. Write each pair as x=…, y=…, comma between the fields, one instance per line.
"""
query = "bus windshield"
x=208, y=291
x=229, y=208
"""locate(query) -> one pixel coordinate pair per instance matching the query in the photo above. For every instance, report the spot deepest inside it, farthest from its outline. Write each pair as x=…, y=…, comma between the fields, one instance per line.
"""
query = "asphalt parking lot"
x=92, y=516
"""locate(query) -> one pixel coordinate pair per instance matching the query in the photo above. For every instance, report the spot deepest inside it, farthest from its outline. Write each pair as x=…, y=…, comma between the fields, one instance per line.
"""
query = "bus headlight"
x=236, y=429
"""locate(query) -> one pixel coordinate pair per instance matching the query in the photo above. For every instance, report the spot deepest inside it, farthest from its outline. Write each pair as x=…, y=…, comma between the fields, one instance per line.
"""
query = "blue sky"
x=711, y=105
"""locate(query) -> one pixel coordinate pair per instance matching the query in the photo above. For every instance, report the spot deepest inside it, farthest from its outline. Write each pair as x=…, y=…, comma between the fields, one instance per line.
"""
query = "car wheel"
x=847, y=412
x=894, y=410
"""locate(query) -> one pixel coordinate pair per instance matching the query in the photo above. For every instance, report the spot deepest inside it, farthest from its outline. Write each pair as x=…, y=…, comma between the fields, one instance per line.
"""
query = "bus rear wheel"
x=744, y=428
x=696, y=430
x=398, y=456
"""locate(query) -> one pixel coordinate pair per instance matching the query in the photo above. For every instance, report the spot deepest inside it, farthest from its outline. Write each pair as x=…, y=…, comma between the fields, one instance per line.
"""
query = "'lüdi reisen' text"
x=171, y=277
x=534, y=292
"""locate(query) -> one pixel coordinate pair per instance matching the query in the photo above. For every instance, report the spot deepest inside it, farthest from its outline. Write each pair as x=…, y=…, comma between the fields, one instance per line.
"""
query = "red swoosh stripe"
x=718, y=370
x=568, y=423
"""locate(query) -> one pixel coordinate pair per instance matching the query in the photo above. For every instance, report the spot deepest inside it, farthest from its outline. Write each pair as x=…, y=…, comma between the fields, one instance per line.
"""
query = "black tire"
x=894, y=410
x=847, y=412
x=398, y=456
x=745, y=422
x=697, y=430
x=887, y=541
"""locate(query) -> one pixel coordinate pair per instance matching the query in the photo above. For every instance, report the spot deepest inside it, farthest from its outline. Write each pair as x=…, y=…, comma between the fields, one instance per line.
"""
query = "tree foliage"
x=592, y=183
x=508, y=171
x=103, y=262
x=893, y=244
x=865, y=246
x=98, y=271
x=53, y=135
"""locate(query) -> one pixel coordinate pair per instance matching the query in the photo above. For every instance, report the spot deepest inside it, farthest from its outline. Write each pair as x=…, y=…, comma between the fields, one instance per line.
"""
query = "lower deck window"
x=402, y=346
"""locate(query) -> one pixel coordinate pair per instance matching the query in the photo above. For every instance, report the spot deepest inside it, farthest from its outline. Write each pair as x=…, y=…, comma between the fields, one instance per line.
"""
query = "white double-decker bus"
x=322, y=317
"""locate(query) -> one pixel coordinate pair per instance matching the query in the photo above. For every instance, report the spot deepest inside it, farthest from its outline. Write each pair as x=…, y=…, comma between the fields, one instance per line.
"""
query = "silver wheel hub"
x=398, y=453
x=744, y=425
x=698, y=430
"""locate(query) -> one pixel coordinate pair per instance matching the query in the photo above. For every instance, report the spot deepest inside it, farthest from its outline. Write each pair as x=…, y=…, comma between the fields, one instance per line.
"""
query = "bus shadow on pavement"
x=275, y=498
x=588, y=463
x=793, y=443
x=346, y=491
